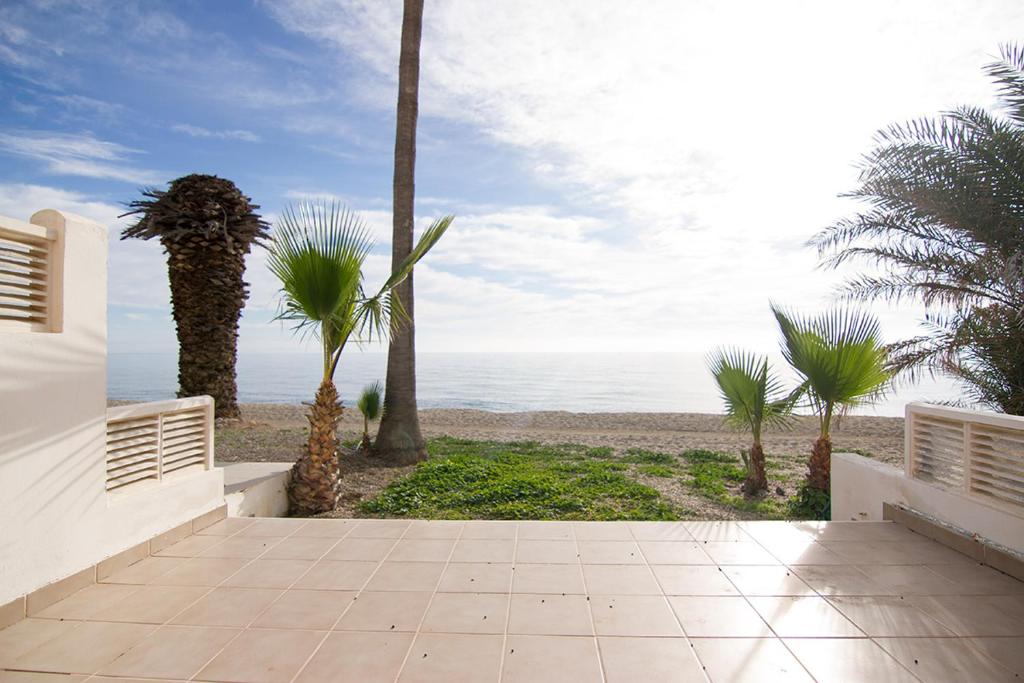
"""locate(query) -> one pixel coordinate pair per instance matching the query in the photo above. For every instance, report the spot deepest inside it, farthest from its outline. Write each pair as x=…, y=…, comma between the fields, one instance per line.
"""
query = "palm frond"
x=370, y=401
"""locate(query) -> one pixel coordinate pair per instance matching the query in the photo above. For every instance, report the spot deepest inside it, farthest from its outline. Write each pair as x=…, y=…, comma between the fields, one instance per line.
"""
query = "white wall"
x=55, y=515
x=860, y=486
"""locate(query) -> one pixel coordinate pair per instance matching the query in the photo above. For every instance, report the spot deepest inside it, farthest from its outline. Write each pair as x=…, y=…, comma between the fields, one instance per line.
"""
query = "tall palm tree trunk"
x=819, y=470
x=399, y=438
x=757, y=480
x=314, y=477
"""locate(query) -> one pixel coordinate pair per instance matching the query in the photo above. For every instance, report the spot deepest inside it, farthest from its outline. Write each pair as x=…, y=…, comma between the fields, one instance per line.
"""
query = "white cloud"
x=76, y=154
x=199, y=132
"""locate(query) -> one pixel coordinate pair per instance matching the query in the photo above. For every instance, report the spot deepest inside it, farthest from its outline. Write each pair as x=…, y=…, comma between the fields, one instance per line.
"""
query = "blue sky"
x=624, y=176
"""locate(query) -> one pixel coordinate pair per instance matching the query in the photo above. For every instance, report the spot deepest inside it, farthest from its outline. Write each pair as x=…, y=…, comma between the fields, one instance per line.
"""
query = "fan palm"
x=944, y=226
x=207, y=227
x=754, y=398
x=842, y=362
x=318, y=254
x=369, y=405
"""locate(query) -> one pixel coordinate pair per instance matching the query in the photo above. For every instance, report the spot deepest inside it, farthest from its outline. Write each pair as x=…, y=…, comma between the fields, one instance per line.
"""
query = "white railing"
x=148, y=442
x=978, y=453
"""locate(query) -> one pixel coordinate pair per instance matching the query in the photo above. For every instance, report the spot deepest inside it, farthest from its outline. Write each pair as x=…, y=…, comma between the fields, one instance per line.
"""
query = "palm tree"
x=944, y=226
x=318, y=254
x=399, y=438
x=207, y=227
x=369, y=405
x=842, y=363
x=754, y=398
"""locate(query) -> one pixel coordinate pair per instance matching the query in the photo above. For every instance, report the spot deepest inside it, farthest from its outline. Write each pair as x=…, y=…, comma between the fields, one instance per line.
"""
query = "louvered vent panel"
x=23, y=279
x=184, y=439
x=133, y=451
x=997, y=463
x=938, y=447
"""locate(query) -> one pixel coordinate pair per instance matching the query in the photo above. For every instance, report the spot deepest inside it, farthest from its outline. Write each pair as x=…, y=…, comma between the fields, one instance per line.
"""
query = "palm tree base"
x=314, y=483
x=756, y=480
x=819, y=471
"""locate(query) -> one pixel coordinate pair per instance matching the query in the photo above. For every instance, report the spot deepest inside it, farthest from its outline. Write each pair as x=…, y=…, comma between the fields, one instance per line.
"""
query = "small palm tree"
x=754, y=398
x=840, y=357
x=369, y=405
x=318, y=254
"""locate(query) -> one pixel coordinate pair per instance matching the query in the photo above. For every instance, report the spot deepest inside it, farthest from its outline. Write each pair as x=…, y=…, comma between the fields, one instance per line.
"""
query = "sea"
x=500, y=382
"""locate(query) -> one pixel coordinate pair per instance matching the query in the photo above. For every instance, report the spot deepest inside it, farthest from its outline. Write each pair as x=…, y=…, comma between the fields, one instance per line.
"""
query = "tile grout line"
x=508, y=604
x=359, y=591
x=590, y=602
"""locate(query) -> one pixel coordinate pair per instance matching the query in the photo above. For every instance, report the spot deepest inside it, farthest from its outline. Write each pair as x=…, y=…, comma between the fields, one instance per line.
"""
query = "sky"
x=625, y=176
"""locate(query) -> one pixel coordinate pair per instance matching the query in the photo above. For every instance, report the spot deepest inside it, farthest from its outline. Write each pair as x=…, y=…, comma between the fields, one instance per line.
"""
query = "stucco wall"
x=55, y=515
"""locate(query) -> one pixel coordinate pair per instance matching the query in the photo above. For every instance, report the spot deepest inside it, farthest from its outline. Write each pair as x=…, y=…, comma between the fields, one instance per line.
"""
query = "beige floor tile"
x=489, y=530
x=337, y=576
x=633, y=615
x=152, y=604
x=406, y=576
x=767, y=581
x=619, y=579
x=483, y=550
x=602, y=531
x=228, y=607
x=660, y=531
x=145, y=570
x=888, y=616
x=553, y=615
x=843, y=660
x=858, y=531
x=453, y=658
x=717, y=531
x=269, y=573
x=306, y=609
x=945, y=660
x=263, y=656
x=176, y=652
x=749, y=660
x=385, y=612
x=801, y=553
x=651, y=660
x=367, y=549
x=903, y=579
x=190, y=546
x=247, y=547
x=301, y=548
x=804, y=617
x=476, y=577
x=977, y=579
x=37, y=677
x=201, y=571
x=466, y=613
x=737, y=552
x=610, y=552
x=546, y=552
x=421, y=550
x=681, y=579
x=895, y=552
x=718, y=617
x=547, y=578
x=85, y=648
x=1007, y=651
x=674, y=552
x=976, y=615
x=777, y=533
x=226, y=527
x=379, y=528
x=88, y=602
x=357, y=657
x=326, y=528
x=273, y=527
x=28, y=634
x=545, y=531
x=845, y=580
x=550, y=659
x=434, y=529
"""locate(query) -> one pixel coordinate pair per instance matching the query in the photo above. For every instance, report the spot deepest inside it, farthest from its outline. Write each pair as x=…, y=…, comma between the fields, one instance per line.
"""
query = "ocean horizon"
x=498, y=382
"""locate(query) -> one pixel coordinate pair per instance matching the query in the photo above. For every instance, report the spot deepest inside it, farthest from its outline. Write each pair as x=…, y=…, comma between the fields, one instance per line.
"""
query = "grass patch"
x=519, y=480
x=657, y=471
x=645, y=457
x=712, y=473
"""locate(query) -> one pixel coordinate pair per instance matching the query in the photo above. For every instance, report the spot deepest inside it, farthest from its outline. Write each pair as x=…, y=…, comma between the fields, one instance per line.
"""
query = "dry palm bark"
x=207, y=227
x=757, y=480
x=315, y=476
x=819, y=472
x=399, y=438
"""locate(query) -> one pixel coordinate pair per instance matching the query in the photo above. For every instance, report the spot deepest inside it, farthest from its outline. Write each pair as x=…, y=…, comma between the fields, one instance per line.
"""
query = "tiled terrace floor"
x=277, y=600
